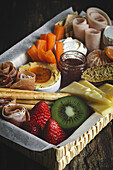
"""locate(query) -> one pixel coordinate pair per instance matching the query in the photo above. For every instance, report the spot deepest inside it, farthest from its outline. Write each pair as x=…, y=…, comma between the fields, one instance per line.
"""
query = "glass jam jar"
x=71, y=65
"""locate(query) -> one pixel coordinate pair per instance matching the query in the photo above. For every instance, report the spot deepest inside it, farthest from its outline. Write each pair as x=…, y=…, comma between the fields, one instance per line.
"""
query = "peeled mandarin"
x=96, y=58
x=109, y=51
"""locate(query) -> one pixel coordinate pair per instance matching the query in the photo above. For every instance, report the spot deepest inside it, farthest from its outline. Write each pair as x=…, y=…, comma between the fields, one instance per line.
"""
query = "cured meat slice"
x=16, y=114
x=5, y=80
x=79, y=27
x=6, y=100
x=7, y=68
x=8, y=74
x=92, y=39
x=97, y=18
x=25, y=81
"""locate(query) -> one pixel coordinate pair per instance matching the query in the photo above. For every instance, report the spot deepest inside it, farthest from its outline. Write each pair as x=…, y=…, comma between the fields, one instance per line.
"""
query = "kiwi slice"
x=69, y=112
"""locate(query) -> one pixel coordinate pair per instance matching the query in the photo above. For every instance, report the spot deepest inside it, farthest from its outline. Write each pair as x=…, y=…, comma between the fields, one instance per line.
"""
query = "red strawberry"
x=41, y=113
x=53, y=133
x=32, y=127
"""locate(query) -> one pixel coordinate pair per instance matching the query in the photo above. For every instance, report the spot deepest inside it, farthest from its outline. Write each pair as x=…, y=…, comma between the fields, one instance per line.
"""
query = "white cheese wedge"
x=107, y=88
x=103, y=92
x=76, y=88
x=108, y=36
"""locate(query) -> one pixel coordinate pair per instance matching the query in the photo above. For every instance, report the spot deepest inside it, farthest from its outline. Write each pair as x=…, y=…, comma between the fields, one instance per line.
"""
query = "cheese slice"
x=103, y=109
x=76, y=88
x=99, y=90
x=107, y=88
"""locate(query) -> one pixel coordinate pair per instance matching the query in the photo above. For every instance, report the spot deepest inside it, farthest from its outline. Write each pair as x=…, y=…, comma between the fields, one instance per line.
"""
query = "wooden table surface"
x=17, y=20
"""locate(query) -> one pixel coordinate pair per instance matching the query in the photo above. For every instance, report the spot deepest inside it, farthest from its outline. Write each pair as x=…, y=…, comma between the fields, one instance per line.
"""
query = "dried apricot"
x=109, y=51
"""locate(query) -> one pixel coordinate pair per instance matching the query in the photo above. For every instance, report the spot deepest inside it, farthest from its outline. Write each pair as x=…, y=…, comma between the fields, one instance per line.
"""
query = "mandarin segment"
x=109, y=51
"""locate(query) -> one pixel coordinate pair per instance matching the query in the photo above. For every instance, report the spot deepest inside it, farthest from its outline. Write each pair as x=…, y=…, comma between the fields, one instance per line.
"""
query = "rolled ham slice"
x=6, y=100
x=5, y=80
x=7, y=68
x=16, y=114
x=97, y=18
x=8, y=74
x=92, y=39
x=79, y=27
x=25, y=81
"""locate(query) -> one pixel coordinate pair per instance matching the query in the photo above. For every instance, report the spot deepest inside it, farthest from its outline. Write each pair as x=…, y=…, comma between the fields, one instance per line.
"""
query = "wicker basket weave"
x=62, y=156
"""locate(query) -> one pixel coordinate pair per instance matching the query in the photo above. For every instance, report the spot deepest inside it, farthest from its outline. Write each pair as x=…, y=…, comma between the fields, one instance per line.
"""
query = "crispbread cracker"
x=99, y=74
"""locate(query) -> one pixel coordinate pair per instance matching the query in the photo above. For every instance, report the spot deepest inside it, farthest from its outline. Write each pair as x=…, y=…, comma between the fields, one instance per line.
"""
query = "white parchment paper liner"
x=29, y=141
x=17, y=55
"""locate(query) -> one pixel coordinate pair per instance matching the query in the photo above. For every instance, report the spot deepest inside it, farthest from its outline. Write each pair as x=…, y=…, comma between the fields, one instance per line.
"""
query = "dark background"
x=19, y=18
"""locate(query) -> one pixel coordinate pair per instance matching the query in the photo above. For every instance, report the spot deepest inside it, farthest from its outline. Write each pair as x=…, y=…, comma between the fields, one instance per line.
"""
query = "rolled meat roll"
x=97, y=18
x=5, y=80
x=8, y=74
x=92, y=39
x=25, y=81
x=4, y=101
x=16, y=114
x=79, y=27
x=7, y=68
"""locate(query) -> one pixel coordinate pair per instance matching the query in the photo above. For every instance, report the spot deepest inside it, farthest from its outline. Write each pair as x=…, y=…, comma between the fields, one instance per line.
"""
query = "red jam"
x=71, y=65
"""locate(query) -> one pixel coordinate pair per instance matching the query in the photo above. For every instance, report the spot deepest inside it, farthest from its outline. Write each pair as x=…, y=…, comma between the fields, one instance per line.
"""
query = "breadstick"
x=33, y=101
x=16, y=90
x=28, y=106
x=26, y=94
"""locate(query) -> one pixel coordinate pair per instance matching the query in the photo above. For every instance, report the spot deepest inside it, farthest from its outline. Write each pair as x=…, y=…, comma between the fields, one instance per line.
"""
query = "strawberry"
x=53, y=133
x=41, y=113
x=32, y=127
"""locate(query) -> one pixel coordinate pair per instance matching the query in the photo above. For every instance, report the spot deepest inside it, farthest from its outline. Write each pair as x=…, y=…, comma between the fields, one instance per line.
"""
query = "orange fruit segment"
x=109, y=51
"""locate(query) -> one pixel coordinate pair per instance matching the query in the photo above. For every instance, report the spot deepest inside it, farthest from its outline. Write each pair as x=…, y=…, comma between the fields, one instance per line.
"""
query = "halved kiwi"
x=69, y=112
